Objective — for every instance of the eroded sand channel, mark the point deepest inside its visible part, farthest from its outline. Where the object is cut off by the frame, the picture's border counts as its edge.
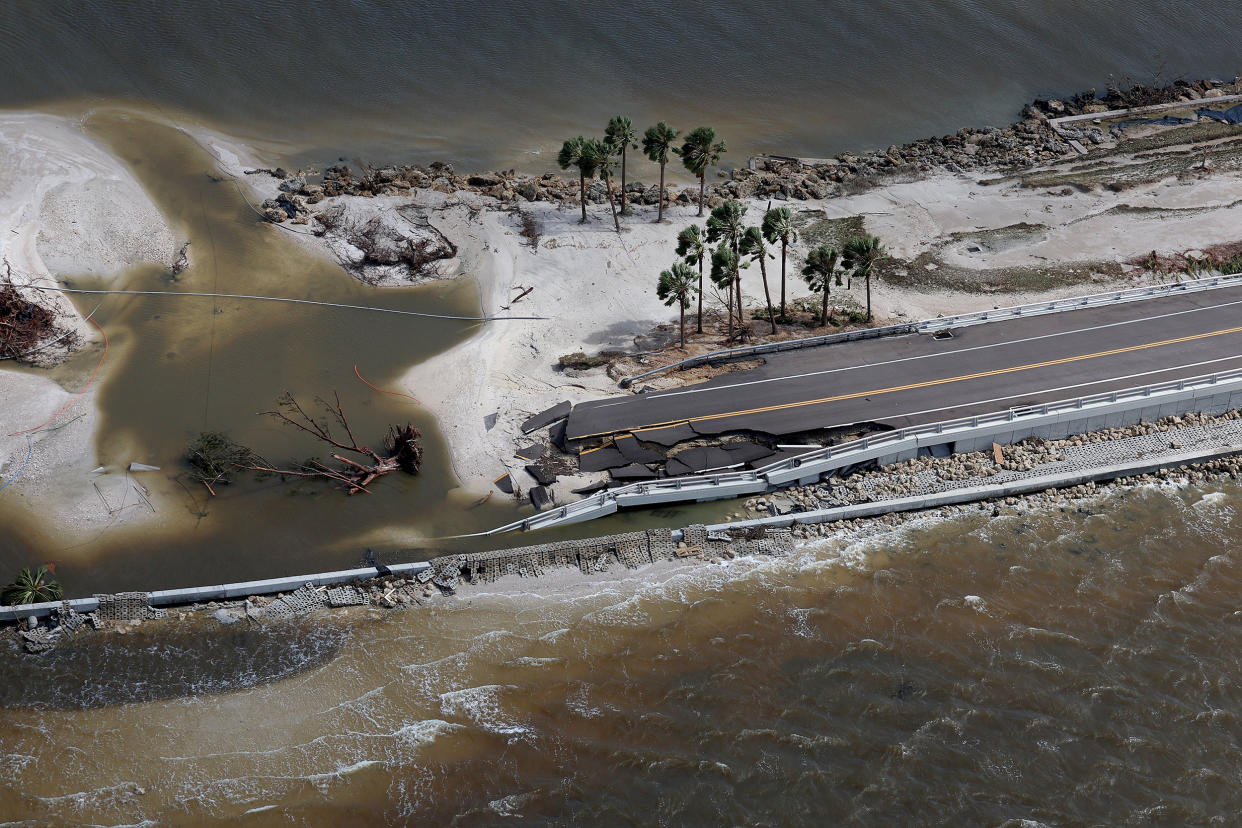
(181, 365)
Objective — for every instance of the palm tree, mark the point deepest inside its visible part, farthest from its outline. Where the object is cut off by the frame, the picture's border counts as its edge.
(724, 274)
(821, 266)
(752, 245)
(861, 255)
(677, 285)
(726, 225)
(597, 158)
(700, 151)
(657, 144)
(619, 136)
(31, 588)
(692, 247)
(571, 155)
(778, 226)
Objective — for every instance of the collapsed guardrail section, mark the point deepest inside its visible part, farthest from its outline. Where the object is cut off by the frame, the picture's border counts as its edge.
(1210, 393)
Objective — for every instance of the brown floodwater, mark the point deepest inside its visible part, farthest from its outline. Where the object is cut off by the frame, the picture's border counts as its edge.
(1074, 666)
(181, 365)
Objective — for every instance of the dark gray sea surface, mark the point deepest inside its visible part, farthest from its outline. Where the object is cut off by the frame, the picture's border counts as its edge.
(502, 84)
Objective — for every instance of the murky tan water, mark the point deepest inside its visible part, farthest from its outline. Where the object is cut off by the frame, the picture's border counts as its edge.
(181, 365)
(1076, 667)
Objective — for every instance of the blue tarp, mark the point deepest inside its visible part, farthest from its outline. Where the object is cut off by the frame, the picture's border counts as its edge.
(1233, 115)
(1167, 120)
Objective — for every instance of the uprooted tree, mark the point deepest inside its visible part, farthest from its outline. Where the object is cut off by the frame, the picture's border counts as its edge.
(403, 447)
(26, 326)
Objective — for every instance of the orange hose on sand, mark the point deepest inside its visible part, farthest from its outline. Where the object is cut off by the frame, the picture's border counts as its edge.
(381, 390)
(77, 396)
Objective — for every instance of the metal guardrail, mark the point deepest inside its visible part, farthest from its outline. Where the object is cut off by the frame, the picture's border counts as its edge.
(773, 347)
(943, 322)
(818, 461)
(1078, 302)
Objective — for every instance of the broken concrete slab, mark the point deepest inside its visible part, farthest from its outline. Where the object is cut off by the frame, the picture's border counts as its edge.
(541, 476)
(504, 483)
(557, 435)
(748, 452)
(702, 458)
(531, 453)
(628, 446)
(667, 435)
(592, 489)
(545, 418)
(676, 468)
(634, 471)
(541, 498)
(489, 422)
(601, 458)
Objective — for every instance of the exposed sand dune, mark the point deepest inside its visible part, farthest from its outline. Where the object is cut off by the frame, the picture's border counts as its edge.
(66, 207)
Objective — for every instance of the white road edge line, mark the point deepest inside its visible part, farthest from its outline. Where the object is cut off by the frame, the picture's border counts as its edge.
(1051, 390)
(666, 395)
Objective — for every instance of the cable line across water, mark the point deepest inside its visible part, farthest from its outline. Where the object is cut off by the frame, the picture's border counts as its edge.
(292, 301)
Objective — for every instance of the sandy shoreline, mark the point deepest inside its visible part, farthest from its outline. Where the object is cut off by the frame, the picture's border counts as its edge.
(593, 287)
(67, 207)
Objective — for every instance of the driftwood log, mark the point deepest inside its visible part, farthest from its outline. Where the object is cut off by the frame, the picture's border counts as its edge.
(403, 448)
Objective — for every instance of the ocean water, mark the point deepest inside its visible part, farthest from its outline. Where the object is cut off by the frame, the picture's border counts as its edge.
(503, 83)
(1074, 666)
(1066, 667)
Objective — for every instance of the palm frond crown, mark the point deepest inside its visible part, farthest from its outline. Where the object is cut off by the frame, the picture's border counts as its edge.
(658, 143)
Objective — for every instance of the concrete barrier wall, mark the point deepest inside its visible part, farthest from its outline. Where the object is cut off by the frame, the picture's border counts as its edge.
(219, 592)
(975, 493)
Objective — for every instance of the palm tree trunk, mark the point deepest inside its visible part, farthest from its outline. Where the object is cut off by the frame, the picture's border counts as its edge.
(737, 280)
(700, 330)
(660, 209)
(784, 246)
(683, 324)
(702, 189)
(824, 318)
(613, 204)
(767, 295)
(868, 278)
(582, 193)
(730, 304)
(624, 210)
(741, 318)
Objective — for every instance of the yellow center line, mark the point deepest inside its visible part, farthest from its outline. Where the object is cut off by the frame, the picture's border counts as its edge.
(597, 448)
(927, 383)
